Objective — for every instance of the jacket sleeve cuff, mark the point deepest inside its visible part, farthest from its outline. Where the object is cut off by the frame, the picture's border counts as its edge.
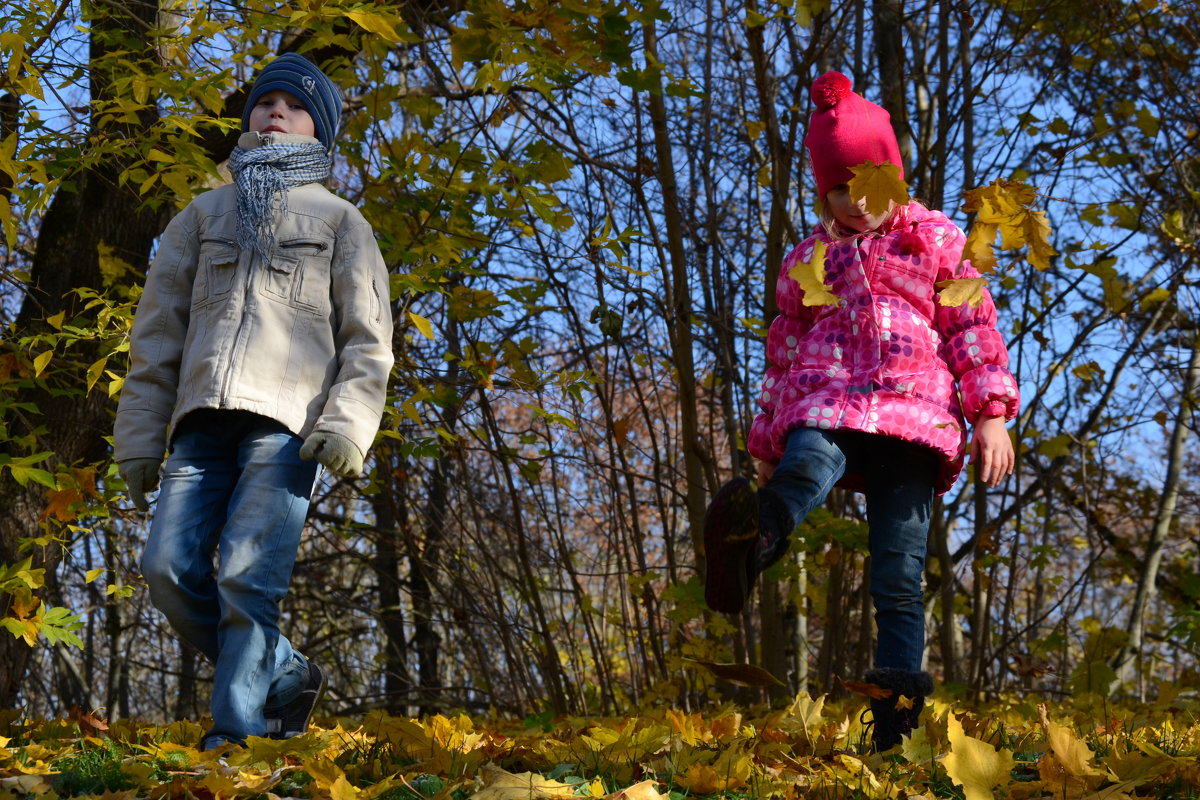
(994, 408)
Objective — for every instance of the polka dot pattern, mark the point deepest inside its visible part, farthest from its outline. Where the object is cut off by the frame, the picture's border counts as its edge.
(888, 358)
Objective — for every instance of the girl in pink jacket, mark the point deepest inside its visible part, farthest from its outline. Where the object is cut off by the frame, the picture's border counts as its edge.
(872, 392)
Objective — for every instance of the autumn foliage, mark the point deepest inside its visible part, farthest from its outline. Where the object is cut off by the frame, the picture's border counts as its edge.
(584, 206)
(1017, 750)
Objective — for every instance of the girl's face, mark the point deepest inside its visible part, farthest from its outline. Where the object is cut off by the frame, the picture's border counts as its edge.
(852, 214)
(278, 111)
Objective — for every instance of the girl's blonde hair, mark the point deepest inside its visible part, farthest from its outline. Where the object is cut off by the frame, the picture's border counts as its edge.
(830, 225)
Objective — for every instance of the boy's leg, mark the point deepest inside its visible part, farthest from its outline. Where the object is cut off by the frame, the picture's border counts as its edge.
(258, 550)
(198, 479)
(745, 532)
(900, 480)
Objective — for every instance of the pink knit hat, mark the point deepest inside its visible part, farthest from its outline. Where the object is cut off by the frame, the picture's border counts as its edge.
(845, 131)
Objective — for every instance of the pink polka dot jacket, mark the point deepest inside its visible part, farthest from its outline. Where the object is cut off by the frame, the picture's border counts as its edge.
(887, 358)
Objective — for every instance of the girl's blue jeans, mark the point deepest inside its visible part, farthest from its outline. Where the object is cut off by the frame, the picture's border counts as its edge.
(220, 555)
(899, 479)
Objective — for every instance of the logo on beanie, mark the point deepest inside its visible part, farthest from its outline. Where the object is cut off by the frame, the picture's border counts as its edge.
(309, 84)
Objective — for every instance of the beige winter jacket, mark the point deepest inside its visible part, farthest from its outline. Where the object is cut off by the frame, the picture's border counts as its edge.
(305, 339)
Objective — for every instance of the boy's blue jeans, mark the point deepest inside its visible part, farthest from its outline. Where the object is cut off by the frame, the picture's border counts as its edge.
(235, 491)
(899, 479)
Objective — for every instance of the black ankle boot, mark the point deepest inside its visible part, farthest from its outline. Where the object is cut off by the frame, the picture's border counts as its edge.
(894, 717)
(774, 529)
(730, 542)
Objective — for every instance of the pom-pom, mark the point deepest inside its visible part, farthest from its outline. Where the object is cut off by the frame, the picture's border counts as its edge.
(829, 89)
(911, 243)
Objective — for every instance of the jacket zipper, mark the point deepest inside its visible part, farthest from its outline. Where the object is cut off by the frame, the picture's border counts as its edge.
(238, 342)
(867, 266)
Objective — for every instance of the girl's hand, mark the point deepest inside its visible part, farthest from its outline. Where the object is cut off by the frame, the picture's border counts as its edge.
(992, 451)
(765, 471)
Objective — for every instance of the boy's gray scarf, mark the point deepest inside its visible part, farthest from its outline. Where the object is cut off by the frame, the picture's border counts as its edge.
(263, 172)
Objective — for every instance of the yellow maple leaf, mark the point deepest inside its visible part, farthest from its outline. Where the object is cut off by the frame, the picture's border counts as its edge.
(1072, 753)
(852, 771)
(880, 185)
(808, 712)
(268, 751)
(974, 764)
(1037, 238)
(689, 727)
(502, 785)
(956, 291)
(342, 789)
(646, 790)
(257, 781)
(705, 779)
(978, 249)
(1006, 207)
(811, 277)
(726, 726)
(454, 734)
(221, 783)
(918, 746)
(999, 200)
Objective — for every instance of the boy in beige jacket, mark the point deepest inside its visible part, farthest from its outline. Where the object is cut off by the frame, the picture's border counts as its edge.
(261, 346)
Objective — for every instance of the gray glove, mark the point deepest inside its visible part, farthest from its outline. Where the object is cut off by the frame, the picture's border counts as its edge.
(335, 451)
(140, 476)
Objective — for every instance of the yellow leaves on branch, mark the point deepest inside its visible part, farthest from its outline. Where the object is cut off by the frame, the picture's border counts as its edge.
(1005, 207)
(880, 184)
(811, 277)
(390, 27)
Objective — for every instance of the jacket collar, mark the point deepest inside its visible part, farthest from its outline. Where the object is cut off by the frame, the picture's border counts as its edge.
(252, 139)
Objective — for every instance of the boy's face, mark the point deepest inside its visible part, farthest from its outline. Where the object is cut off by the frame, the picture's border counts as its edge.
(852, 214)
(278, 111)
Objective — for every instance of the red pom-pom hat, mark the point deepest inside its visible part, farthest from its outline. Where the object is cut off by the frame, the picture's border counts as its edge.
(846, 130)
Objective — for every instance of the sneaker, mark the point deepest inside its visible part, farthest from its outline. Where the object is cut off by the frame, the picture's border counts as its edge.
(730, 546)
(291, 719)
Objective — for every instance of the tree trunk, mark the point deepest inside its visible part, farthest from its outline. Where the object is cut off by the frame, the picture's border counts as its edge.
(1123, 663)
(679, 322)
(950, 633)
(889, 55)
(92, 210)
(391, 518)
(186, 706)
(981, 594)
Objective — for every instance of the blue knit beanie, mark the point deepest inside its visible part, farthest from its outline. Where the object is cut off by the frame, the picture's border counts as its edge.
(296, 74)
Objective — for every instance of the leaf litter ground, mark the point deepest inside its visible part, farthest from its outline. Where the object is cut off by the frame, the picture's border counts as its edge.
(1021, 749)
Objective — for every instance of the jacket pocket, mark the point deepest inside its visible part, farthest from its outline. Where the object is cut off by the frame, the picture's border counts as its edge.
(217, 270)
(299, 274)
